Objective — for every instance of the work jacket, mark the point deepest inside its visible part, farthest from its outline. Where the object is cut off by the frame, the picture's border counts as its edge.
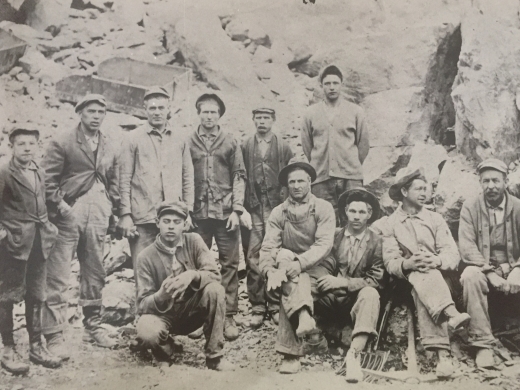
(23, 212)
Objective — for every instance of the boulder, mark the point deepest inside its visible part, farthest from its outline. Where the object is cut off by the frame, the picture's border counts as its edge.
(485, 90)
(117, 253)
(429, 157)
(119, 302)
(47, 15)
(245, 27)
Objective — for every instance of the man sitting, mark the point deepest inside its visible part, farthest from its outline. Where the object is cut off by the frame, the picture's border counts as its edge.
(356, 272)
(179, 289)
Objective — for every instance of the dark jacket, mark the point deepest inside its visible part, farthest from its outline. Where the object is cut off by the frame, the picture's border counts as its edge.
(71, 168)
(154, 265)
(22, 211)
(282, 155)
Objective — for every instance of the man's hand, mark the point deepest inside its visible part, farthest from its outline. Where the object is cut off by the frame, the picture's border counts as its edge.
(180, 283)
(514, 281)
(275, 279)
(422, 262)
(245, 220)
(64, 209)
(329, 282)
(125, 226)
(163, 294)
(233, 222)
(498, 282)
(292, 268)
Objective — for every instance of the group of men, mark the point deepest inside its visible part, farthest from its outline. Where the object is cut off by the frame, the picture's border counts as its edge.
(311, 256)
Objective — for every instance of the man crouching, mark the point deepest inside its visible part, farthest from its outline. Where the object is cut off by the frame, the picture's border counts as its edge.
(179, 289)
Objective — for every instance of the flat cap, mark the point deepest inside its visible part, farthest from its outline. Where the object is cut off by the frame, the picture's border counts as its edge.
(359, 195)
(22, 130)
(330, 69)
(214, 97)
(294, 164)
(90, 98)
(492, 163)
(264, 110)
(156, 91)
(176, 207)
(403, 177)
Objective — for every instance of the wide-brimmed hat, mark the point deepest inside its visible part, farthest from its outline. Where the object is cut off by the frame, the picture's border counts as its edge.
(403, 177)
(214, 97)
(159, 91)
(492, 163)
(359, 195)
(295, 163)
(176, 207)
(90, 98)
(330, 69)
(22, 130)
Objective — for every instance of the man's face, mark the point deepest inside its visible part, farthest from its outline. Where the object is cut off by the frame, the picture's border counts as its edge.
(92, 116)
(24, 148)
(417, 193)
(299, 184)
(263, 122)
(171, 226)
(493, 185)
(157, 110)
(209, 114)
(331, 87)
(358, 215)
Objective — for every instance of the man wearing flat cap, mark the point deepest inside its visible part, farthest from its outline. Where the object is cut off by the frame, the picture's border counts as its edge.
(179, 289)
(335, 139)
(299, 235)
(219, 195)
(81, 175)
(489, 244)
(26, 238)
(354, 274)
(265, 154)
(418, 247)
(155, 166)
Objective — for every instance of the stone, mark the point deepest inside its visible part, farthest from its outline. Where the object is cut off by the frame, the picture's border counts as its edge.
(45, 15)
(119, 302)
(262, 54)
(513, 184)
(428, 157)
(458, 181)
(117, 253)
(31, 61)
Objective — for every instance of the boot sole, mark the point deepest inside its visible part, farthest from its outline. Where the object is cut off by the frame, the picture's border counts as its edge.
(45, 364)
(16, 372)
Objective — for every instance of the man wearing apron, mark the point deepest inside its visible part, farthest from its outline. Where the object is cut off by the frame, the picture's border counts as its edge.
(490, 247)
(299, 235)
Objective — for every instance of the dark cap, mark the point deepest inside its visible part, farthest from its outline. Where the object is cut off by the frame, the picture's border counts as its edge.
(22, 130)
(160, 91)
(359, 195)
(330, 69)
(403, 177)
(264, 110)
(293, 165)
(492, 163)
(214, 97)
(90, 98)
(177, 207)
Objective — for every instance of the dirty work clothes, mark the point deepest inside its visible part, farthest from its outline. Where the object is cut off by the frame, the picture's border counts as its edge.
(405, 235)
(219, 175)
(228, 244)
(85, 230)
(474, 232)
(331, 189)
(204, 307)
(155, 167)
(335, 140)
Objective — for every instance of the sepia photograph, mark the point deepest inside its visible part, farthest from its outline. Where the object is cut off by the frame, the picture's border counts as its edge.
(259, 194)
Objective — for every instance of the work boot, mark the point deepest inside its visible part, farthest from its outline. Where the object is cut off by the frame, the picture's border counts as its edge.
(290, 365)
(353, 371)
(38, 354)
(230, 329)
(94, 333)
(485, 358)
(257, 319)
(220, 364)
(56, 345)
(197, 334)
(315, 343)
(445, 368)
(13, 362)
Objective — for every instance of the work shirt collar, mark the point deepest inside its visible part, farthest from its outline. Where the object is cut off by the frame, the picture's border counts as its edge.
(32, 166)
(305, 200)
(500, 207)
(166, 249)
(403, 215)
(353, 237)
(266, 139)
(212, 134)
(167, 128)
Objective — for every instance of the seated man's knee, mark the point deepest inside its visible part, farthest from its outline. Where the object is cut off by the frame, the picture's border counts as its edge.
(214, 289)
(471, 275)
(368, 293)
(151, 329)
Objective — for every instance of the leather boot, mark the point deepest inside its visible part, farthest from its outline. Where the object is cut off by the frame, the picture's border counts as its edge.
(94, 332)
(38, 354)
(56, 345)
(12, 361)
(231, 331)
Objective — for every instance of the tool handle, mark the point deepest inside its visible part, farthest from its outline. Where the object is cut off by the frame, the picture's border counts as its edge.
(410, 350)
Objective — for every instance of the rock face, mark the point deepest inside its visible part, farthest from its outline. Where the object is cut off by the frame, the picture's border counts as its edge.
(119, 299)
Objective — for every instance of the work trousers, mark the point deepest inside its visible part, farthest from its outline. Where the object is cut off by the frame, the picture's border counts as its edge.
(83, 230)
(21, 280)
(206, 307)
(228, 248)
(258, 295)
(331, 189)
(477, 294)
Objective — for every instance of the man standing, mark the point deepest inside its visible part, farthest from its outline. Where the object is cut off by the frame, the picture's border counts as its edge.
(350, 288)
(82, 190)
(265, 154)
(179, 289)
(490, 247)
(335, 139)
(155, 166)
(26, 238)
(299, 235)
(219, 196)
(418, 247)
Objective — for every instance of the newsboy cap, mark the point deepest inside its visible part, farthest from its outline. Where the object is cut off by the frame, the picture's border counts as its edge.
(211, 97)
(403, 177)
(160, 91)
(176, 207)
(328, 70)
(90, 98)
(22, 130)
(264, 110)
(492, 163)
(359, 195)
(294, 164)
